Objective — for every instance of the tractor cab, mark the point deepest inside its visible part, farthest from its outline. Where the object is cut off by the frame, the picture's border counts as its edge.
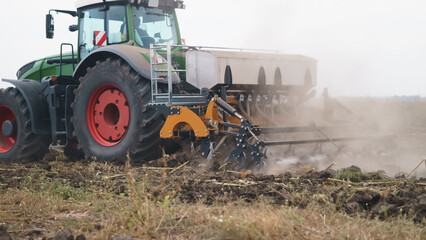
(139, 23)
(123, 23)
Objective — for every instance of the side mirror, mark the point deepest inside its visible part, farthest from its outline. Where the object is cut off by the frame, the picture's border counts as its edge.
(73, 28)
(50, 26)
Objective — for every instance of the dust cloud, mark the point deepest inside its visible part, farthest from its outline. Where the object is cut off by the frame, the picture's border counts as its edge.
(401, 122)
(364, 48)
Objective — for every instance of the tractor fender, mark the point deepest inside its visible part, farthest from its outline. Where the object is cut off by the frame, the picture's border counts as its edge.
(37, 105)
(136, 57)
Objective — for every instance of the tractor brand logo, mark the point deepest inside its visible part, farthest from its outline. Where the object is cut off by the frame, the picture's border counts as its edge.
(100, 38)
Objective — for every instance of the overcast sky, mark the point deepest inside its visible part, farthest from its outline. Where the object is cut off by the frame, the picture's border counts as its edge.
(363, 47)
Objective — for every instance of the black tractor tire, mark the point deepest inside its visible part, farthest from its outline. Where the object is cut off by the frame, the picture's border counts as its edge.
(113, 79)
(26, 145)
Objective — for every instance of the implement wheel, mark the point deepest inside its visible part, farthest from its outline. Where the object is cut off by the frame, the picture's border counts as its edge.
(17, 142)
(111, 114)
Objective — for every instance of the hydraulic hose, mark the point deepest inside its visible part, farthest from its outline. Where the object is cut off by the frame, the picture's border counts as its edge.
(245, 114)
(264, 114)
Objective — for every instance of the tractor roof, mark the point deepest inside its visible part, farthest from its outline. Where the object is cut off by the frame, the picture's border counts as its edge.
(83, 3)
(148, 3)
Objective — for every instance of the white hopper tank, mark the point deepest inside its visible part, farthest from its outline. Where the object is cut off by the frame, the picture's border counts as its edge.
(206, 69)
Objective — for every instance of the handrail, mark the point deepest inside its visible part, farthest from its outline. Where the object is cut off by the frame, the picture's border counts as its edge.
(155, 71)
(218, 48)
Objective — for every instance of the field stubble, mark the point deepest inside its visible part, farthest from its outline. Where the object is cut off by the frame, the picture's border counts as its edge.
(102, 200)
(183, 197)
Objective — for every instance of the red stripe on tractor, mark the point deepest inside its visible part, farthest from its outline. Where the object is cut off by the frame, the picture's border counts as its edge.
(102, 40)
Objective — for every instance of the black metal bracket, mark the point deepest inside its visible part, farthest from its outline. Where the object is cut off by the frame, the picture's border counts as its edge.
(205, 146)
(59, 93)
(243, 149)
(72, 13)
(166, 111)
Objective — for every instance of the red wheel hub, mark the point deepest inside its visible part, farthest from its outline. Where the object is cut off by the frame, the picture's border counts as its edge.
(108, 115)
(7, 142)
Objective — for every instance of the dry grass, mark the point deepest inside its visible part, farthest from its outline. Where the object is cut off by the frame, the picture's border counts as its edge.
(151, 220)
(149, 210)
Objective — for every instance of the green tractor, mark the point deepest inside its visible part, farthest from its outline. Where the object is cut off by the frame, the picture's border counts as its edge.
(92, 101)
(131, 87)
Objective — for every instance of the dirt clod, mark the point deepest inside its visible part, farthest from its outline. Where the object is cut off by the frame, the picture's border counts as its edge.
(352, 207)
(63, 235)
(215, 166)
(80, 237)
(365, 198)
(4, 235)
(352, 168)
(384, 209)
(50, 157)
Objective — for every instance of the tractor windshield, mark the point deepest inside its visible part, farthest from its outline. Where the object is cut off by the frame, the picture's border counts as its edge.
(154, 26)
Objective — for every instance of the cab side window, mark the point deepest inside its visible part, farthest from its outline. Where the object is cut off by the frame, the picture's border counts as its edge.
(99, 28)
(90, 21)
(117, 27)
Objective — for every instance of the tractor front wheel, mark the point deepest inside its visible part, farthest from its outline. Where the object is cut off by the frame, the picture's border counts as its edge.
(17, 141)
(111, 115)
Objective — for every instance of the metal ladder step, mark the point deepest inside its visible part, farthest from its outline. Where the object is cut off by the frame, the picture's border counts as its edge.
(185, 99)
(185, 95)
(156, 70)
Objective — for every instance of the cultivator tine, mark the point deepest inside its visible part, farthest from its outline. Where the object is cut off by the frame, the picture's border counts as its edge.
(192, 147)
(211, 152)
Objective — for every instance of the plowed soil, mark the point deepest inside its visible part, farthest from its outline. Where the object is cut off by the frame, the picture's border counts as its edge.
(376, 196)
(38, 199)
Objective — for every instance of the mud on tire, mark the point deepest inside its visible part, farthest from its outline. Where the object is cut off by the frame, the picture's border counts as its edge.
(111, 114)
(22, 144)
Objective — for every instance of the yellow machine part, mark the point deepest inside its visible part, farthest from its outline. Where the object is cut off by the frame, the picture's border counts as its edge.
(212, 112)
(188, 120)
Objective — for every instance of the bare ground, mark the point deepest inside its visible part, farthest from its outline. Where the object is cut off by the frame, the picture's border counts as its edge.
(185, 197)
(161, 200)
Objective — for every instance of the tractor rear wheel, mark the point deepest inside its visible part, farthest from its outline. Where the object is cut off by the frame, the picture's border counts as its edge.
(17, 142)
(111, 114)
